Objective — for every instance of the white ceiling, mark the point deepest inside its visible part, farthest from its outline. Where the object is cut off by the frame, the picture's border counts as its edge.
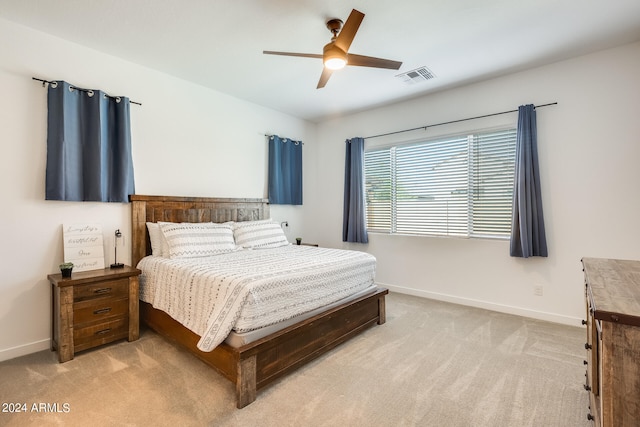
(219, 44)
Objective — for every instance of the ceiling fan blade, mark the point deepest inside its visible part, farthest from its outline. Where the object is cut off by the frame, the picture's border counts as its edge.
(304, 55)
(370, 61)
(349, 29)
(324, 77)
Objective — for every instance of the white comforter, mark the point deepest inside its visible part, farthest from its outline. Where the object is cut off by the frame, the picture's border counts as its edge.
(249, 289)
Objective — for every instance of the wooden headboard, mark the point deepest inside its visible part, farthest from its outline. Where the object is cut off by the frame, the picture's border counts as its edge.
(186, 209)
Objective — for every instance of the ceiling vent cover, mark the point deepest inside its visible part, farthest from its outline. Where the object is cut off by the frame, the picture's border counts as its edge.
(416, 76)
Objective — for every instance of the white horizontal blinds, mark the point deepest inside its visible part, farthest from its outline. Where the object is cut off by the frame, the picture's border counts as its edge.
(379, 190)
(431, 187)
(455, 186)
(493, 169)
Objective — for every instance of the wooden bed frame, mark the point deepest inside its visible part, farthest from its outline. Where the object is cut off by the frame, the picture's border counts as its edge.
(255, 365)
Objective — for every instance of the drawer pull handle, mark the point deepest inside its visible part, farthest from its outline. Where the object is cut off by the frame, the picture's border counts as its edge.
(103, 331)
(584, 362)
(102, 291)
(586, 387)
(590, 417)
(102, 310)
(584, 322)
(587, 346)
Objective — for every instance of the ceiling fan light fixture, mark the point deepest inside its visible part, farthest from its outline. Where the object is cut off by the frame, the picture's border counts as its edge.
(334, 58)
(335, 63)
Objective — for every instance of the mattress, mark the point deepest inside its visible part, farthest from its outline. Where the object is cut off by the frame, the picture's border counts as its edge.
(238, 339)
(248, 290)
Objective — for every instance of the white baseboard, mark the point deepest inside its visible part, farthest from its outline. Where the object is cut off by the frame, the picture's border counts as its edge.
(23, 350)
(518, 311)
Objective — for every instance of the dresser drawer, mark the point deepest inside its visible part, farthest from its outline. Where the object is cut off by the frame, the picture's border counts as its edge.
(96, 310)
(109, 288)
(101, 333)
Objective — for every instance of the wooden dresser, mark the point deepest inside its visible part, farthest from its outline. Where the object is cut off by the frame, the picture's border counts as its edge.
(93, 308)
(612, 293)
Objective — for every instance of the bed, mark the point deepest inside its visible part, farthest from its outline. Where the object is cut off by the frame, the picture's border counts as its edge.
(250, 366)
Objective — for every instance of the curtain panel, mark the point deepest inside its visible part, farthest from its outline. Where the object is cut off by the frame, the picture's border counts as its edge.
(354, 224)
(527, 227)
(285, 171)
(88, 145)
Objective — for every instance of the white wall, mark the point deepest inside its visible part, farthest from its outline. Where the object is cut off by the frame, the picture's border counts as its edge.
(589, 147)
(187, 140)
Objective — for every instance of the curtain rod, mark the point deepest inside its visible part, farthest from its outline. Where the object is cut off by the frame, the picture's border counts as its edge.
(454, 121)
(77, 88)
(269, 136)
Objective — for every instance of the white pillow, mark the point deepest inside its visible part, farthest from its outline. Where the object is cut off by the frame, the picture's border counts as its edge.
(156, 237)
(260, 234)
(164, 246)
(191, 240)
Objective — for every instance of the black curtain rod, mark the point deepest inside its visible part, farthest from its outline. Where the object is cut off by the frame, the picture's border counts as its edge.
(78, 88)
(269, 136)
(454, 121)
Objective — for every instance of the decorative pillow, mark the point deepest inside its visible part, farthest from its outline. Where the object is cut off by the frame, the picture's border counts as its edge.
(156, 237)
(164, 246)
(260, 234)
(191, 240)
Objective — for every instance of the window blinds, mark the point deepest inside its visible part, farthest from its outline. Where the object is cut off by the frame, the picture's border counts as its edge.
(454, 186)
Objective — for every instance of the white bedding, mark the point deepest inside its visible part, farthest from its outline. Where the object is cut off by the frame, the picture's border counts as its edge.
(250, 289)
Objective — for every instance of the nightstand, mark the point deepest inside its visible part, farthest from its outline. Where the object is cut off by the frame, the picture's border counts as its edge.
(92, 308)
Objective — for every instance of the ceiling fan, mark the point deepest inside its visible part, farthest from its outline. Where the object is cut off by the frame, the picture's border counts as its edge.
(336, 53)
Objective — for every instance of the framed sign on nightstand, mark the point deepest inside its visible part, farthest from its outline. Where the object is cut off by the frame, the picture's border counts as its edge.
(83, 246)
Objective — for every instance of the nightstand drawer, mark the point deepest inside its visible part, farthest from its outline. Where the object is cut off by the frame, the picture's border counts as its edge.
(96, 310)
(112, 288)
(101, 333)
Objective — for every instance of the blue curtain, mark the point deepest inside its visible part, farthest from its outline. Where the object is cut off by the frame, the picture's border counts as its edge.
(354, 224)
(88, 145)
(285, 171)
(527, 226)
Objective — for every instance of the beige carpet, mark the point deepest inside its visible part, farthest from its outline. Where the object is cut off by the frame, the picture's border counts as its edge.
(431, 364)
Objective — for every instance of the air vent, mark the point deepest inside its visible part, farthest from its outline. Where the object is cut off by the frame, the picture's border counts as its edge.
(416, 76)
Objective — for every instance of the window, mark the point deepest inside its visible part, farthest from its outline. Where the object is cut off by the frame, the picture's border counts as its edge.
(454, 186)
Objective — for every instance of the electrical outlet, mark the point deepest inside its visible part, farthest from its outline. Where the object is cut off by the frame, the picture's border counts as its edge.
(537, 290)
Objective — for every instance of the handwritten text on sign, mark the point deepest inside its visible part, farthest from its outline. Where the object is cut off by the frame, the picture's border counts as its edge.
(83, 246)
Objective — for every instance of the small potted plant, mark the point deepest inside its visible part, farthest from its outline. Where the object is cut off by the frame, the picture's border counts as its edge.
(298, 240)
(65, 269)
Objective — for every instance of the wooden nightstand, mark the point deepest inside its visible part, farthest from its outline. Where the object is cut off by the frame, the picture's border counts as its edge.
(93, 308)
